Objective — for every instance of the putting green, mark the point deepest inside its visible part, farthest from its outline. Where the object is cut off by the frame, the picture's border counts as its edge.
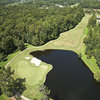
(33, 74)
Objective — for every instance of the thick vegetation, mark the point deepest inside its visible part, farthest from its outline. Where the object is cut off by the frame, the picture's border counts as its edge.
(62, 2)
(8, 85)
(41, 2)
(84, 3)
(5, 2)
(92, 41)
(91, 4)
(27, 23)
(67, 2)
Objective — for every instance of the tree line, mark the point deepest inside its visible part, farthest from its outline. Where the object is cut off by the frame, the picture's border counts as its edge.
(5, 2)
(91, 4)
(84, 3)
(62, 2)
(27, 23)
(92, 41)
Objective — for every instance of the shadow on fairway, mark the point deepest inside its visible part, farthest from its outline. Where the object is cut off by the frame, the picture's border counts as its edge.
(20, 85)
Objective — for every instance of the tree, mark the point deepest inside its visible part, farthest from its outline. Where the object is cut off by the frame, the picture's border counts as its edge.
(27, 23)
(19, 44)
(45, 91)
(9, 86)
(6, 81)
(92, 41)
(1, 56)
(7, 44)
(92, 21)
(80, 55)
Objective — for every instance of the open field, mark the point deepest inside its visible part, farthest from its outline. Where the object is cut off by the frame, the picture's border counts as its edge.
(70, 40)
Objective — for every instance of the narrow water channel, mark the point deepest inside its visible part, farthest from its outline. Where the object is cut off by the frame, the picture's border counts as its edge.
(70, 79)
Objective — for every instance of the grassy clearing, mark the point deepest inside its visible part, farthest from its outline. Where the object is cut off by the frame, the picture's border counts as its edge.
(35, 76)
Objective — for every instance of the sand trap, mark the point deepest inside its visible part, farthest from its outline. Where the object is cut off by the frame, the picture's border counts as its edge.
(36, 61)
(27, 57)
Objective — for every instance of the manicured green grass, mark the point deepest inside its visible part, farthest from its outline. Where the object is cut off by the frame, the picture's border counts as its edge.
(91, 63)
(35, 76)
(3, 97)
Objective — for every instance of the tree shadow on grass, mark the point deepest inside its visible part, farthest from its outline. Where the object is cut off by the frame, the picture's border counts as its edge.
(5, 59)
(0, 93)
(20, 85)
(8, 85)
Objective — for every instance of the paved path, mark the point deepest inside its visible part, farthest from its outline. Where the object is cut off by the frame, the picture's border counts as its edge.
(22, 97)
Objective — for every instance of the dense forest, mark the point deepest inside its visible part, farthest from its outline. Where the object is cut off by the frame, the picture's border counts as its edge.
(91, 4)
(84, 3)
(62, 2)
(27, 23)
(5, 2)
(8, 85)
(92, 41)
(46, 2)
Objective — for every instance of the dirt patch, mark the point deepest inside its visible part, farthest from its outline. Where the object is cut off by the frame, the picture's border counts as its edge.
(13, 98)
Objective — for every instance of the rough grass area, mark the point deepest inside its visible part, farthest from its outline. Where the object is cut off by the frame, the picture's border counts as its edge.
(35, 76)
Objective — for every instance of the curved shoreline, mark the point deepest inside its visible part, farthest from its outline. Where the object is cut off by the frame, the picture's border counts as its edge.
(70, 40)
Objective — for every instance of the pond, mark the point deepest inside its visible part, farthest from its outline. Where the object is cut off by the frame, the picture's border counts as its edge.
(70, 78)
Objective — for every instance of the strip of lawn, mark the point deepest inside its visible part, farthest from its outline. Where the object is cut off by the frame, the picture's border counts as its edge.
(3, 97)
(91, 63)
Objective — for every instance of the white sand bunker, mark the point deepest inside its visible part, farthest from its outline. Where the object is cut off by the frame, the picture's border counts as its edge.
(27, 57)
(36, 61)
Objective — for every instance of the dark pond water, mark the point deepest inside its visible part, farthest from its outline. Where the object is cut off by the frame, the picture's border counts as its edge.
(70, 78)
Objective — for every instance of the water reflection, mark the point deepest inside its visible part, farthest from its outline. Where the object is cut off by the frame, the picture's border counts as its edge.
(41, 53)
